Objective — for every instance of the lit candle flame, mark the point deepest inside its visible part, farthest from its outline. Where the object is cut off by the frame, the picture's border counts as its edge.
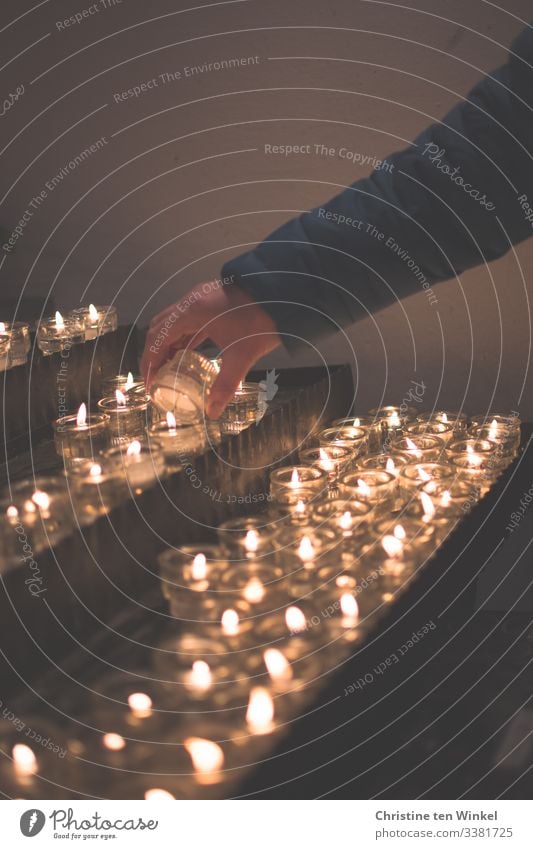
(41, 499)
(200, 677)
(300, 508)
(399, 532)
(444, 418)
(95, 471)
(363, 487)
(295, 478)
(389, 466)
(410, 444)
(346, 521)
(2, 327)
(93, 313)
(445, 499)
(251, 541)
(392, 546)
(306, 550)
(60, 324)
(199, 568)
(349, 606)
(29, 506)
(326, 462)
(473, 458)
(207, 757)
(423, 475)
(157, 794)
(239, 387)
(254, 591)
(12, 512)
(356, 422)
(114, 742)
(24, 760)
(129, 382)
(120, 398)
(81, 418)
(230, 623)
(427, 504)
(493, 429)
(277, 665)
(171, 421)
(394, 419)
(140, 705)
(295, 620)
(134, 448)
(260, 712)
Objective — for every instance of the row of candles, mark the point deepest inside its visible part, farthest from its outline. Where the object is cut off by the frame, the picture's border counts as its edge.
(55, 334)
(265, 613)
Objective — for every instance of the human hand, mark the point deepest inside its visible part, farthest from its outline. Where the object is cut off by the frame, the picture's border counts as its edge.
(223, 313)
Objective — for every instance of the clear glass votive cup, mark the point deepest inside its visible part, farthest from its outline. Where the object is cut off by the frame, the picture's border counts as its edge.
(20, 345)
(141, 463)
(74, 440)
(413, 476)
(35, 514)
(421, 448)
(182, 385)
(299, 480)
(180, 440)
(458, 420)
(369, 424)
(242, 411)
(54, 336)
(129, 415)
(96, 320)
(444, 431)
(97, 486)
(248, 536)
(375, 487)
(333, 460)
(353, 438)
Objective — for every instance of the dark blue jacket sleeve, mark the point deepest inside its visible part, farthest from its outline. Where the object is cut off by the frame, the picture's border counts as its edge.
(459, 196)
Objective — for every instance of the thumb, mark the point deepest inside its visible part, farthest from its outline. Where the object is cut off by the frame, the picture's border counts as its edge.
(234, 369)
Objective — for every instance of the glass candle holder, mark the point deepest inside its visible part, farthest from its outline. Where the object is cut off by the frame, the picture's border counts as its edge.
(243, 409)
(415, 536)
(424, 512)
(299, 547)
(248, 536)
(452, 499)
(141, 463)
(392, 420)
(353, 438)
(183, 384)
(333, 461)
(96, 320)
(134, 705)
(190, 577)
(259, 583)
(348, 518)
(392, 462)
(496, 421)
(5, 348)
(20, 345)
(375, 487)
(35, 515)
(422, 449)
(81, 436)
(506, 441)
(413, 476)
(291, 509)
(392, 562)
(58, 334)
(476, 460)
(180, 440)
(458, 421)
(97, 487)
(369, 424)
(298, 480)
(128, 415)
(444, 431)
(126, 383)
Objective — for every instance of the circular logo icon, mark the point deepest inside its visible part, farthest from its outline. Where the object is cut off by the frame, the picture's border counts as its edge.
(32, 822)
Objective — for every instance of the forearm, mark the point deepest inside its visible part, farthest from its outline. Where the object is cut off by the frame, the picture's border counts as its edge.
(435, 213)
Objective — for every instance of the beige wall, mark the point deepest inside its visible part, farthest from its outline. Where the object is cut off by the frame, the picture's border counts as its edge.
(205, 159)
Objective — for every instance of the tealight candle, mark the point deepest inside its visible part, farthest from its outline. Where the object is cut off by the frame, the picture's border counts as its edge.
(299, 547)
(393, 420)
(58, 334)
(451, 499)
(349, 518)
(126, 383)
(422, 449)
(291, 509)
(333, 460)
(477, 461)
(190, 577)
(415, 536)
(444, 431)
(130, 703)
(128, 415)
(39, 766)
(5, 347)
(180, 440)
(353, 438)
(511, 422)
(97, 487)
(248, 537)
(375, 487)
(96, 320)
(81, 435)
(259, 583)
(299, 480)
(243, 409)
(458, 421)
(393, 562)
(392, 462)
(20, 343)
(506, 440)
(36, 514)
(413, 476)
(141, 463)
(182, 385)
(369, 424)
(424, 510)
